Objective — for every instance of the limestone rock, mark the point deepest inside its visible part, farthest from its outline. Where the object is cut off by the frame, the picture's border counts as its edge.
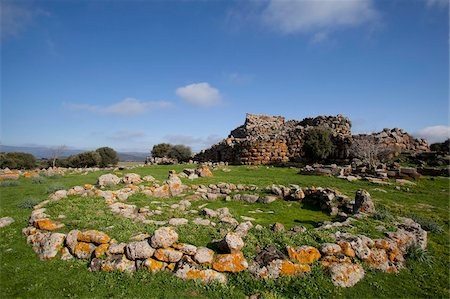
(303, 254)
(206, 276)
(47, 224)
(278, 227)
(108, 180)
(132, 178)
(232, 242)
(169, 255)
(330, 248)
(186, 248)
(204, 255)
(5, 221)
(84, 250)
(163, 237)
(346, 275)
(363, 203)
(139, 250)
(178, 221)
(46, 244)
(233, 262)
(203, 171)
(93, 236)
(243, 228)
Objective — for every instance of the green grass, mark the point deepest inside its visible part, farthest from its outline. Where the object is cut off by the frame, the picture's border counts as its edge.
(24, 275)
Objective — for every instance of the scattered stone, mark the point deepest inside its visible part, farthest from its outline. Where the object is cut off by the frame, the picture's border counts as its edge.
(250, 198)
(108, 180)
(243, 228)
(178, 221)
(65, 254)
(363, 203)
(203, 171)
(232, 242)
(267, 199)
(93, 236)
(5, 221)
(46, 244)
(278, 227)
(298, 229)
(47, 224)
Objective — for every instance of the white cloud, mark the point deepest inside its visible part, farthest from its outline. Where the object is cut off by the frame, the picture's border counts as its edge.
(197, 143)
(315, 16)
(126, 107)
(126, 135)
(15, 18)
(438, 3)
(434, 133)
(200, 94)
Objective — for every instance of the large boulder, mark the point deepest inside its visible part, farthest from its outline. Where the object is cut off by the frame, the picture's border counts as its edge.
(233, 262)
(346, 275)
(232, 242)
(363, 203)
(163, 237)
(203, 171)
(46, 244)
(204, 255)
(132, 178)
(139, 250)
(108, 179)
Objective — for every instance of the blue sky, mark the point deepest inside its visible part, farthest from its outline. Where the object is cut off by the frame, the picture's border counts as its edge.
(130, 74)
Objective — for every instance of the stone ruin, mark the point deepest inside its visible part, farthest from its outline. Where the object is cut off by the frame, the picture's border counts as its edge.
(267, 139)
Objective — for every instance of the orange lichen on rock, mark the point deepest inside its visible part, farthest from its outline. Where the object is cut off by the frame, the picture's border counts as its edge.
(304, 254)
(288, 268)
(47, 224)
(329, 260)
(88, 186)
(347, 249)
(101, 250)
(30, 174)
(153, 265)
(11, 175)
(84, 250)
(169, 255)
(233, 262)
(93, 236)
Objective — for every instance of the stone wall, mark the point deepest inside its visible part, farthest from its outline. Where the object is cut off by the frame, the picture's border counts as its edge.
(264, 139)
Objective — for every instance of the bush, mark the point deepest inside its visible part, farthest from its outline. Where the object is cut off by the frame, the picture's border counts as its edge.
(53, 188)
(28, 203)
(9, 183)
(86, 159)
(16, 160)
(428, 224)
(443, 147)
(318, 144)
(416, 253)
(38, 180)
(180, 152)
(161, 150)
(108, 156)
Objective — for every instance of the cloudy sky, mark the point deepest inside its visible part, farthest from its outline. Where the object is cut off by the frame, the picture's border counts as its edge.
(130, 74)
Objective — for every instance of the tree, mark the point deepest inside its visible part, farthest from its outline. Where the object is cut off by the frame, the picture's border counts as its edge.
(161, 150)
(369, 151)
(318, 144)
(108, 156)
(56, 153)
(180, 152)
(17, 160)
(442, 147)
(85, 159)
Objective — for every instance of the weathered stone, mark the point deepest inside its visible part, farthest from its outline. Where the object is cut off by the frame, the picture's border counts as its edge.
(84, 250)
(178, 221)
(118, 263)
(47, 224)
(46, 244)
(267, 199)
(234, 262)
(278, 227)
(203, 171)
(204, 255)
(250, 198)
(279, 267)
(108, 180)
(163, 237)
(65, 254)
(185, 248)
(232, 242)
(206, 276)
(153, 265)
(363, 203)
(330, 248)
(303, 254)
(243, 228)
(117, 248)
(101, 250)
(346, 275)
(5, 221)
(132, 178)
(169, 255)
(93, 236)
(139, 250)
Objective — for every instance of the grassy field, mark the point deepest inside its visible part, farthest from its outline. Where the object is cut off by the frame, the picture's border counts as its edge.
(24, 275)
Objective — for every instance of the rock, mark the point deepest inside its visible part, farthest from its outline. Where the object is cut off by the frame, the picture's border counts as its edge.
(93, 236)
(140, 237)
(209, 213)
(278, 227)
(116, 248)
(65, 254)
(203, 171)
(168, 255)
(250, 198)
(346, 275)
(118, 263)
(176, 187)
(298, 229)
(243, 228)
(330, 248)
(60, 194)
(206, 276)
(72, 240)
(84, 250)
(46, 244)
(139, 250)
(303, 254)
(200, 221)
(47, 224)
(268, 254)
(247, 218)
(223, 212)
(277, 268)
(178, 221)
(163, 237)
(403, 182)
(347, 249)
(234, 262)
(101, 250)
(363, 203)
(328, 260)
(185, 248)
(229, 220)
(10, 175)
(108, 180)
(204, 255)
(132, 178)
(153, 265)
(162, 191)
(267, 199)
(5, 221)
(232, 242)
(148, 178)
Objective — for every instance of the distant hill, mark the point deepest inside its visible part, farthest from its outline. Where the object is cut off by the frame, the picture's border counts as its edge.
(42, 152)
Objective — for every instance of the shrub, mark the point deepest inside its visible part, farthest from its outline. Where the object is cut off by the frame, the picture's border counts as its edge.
(382, 214)
(54, 188)
(443, 147)
(318, 144)
(180, 152)
(85, 159)
(427, 224)
(38, 180)
(8, 183)
(161, 150)
(16, 160)
(416, 253)
(108, 156)
(28, 203)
